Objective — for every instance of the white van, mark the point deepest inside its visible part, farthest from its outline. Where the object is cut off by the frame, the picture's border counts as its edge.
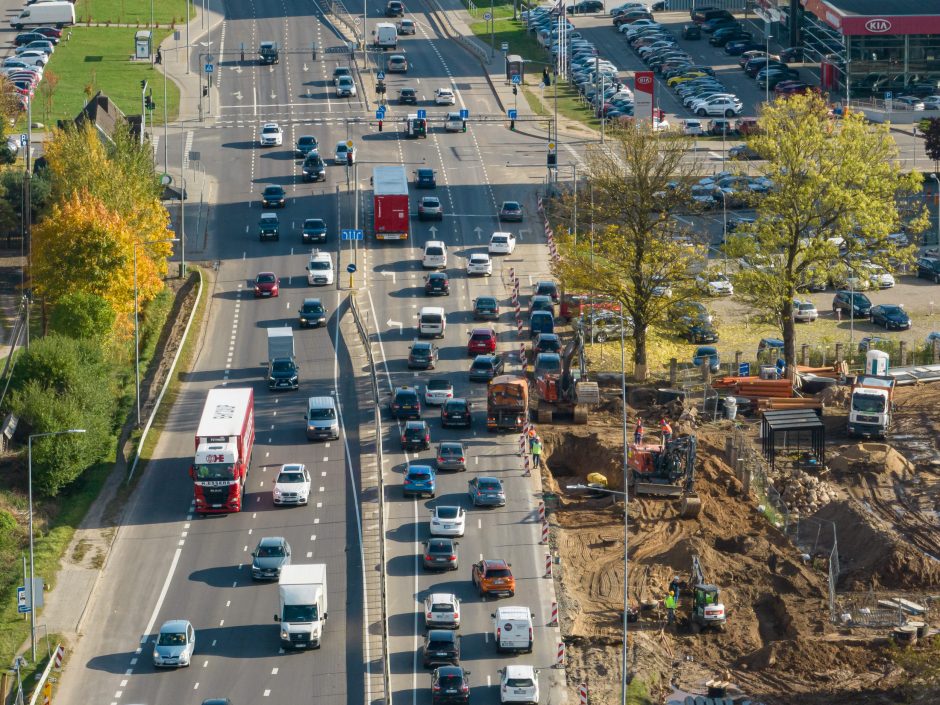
(319, 268)
(453, 122)
(435, 255)
(322, 419)
(432, 321)
(45, 14)
(386, 36)
(512, 627)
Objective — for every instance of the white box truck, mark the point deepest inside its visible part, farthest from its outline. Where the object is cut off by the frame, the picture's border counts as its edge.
(302, 596)
(45, 14)
(386, 36)
(513, 629)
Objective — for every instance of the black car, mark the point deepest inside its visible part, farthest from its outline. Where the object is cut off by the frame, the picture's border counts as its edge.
(269, 227)
(441, 646)
(716, 23)
(273, 197)
(547, 288)
(541, 303)
(693, 322)
(546, 343)
(728, 34)
(792, 54)
(485, 308)
(890, 316)
(283, 374)
(312, 313)
(437, 284)
(408, 96)
(53, 34)
(405, 404)
(314, 230)
(691, 31)
(305, 145)
(314, 169)
(394, 9)
(485, 368)
(456, 412)
(450, 685)
(851, 304)
(27, 37)
(415, 436)
(743, 152)
(422, 356)
(929, 268)
(271, 554)
(425, 178)
(585, 7)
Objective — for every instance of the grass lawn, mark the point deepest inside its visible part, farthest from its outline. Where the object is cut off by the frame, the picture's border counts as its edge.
(133, 11)
(500, 10)
(513, 32)
(97, 58)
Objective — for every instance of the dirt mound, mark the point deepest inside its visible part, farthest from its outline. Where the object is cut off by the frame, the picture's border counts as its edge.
(835, 396)
(870, 457)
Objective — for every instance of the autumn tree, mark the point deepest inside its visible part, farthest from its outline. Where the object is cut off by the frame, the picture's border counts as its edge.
(640, 255)
(932, 139)
(838, 194)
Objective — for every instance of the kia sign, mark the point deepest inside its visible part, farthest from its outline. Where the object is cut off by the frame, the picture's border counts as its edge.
(643, 85)
(927, 21)
(878, 26)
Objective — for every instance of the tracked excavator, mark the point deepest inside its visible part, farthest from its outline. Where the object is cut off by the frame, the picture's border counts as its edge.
(666, 472)
(707, 610)
(561, 389)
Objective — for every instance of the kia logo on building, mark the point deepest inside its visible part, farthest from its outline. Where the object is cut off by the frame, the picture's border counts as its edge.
(878, 25)
(643, 80)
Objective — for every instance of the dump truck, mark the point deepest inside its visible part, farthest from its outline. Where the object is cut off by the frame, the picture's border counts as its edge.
(870, 406)
(507, 403)
(302, 607)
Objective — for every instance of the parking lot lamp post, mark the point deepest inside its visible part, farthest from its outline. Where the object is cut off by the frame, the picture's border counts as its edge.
(724, 226)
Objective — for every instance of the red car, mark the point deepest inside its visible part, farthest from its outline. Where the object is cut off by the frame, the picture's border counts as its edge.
(266, 284)
(482, 342)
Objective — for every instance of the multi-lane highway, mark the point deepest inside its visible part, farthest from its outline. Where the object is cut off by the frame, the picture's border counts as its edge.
(167, 563)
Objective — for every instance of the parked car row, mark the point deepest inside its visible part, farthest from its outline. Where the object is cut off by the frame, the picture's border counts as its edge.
(24, 69)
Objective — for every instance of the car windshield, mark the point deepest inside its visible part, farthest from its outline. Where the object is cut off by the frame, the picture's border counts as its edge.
(498, 573)
(419, 476)
(450, 450)
(406, 398)
(431, 201)
(270, 552)
(320, 265)
(450, 681)
(300, 613)
(891, 310)
(440, 545)
(266, 278)
(518, 682)
(420, 352)
(320, 414)
(271, 130)
(448, 512)
(289, 478)
(807, 307)
(274, 190)
(172, 639)
(484, 364)
(500, 239)
(481, 336)
(439, 384)
(442, 607)
(440, 644)
(313, 224)
(282, 365)
(312, 308)
(457, 406)
(486, 303)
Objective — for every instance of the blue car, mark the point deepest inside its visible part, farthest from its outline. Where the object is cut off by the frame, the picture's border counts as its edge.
(419, 480)
(707, 353)
(736, 47)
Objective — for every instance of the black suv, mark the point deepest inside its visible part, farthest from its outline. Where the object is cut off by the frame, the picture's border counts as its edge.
(441, 646)
(395, 9)
(405, 403)
(408, 96)
(423, 355)
(273, 197)
(456, 412)
(437, 283)
(314, 169)
(416, 436)
(283, 374)
(929, 268)
(852, 304)
(312, 313)
(450, 685)
(314, 230)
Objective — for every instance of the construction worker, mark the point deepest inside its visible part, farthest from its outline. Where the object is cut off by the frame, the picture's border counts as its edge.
(674, 586)
(638, 431)
(666, 431)
(670, 603)
(532, 437)
(536, 449)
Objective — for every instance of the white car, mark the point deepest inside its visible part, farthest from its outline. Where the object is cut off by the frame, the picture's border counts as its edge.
(805, 311)
(444, 96)
(660, 125)
(345, 87)
(341, 149)
(38, 55)
(692, 127)
(437, 391)
(716, 284)
(32, 58)
(441, 609)
(502, 243)
(271, 135)
(880, 276)
(519, 684)
(721, 106)
(931, 102)
(292, 485)
(479, 263)
(448, 520)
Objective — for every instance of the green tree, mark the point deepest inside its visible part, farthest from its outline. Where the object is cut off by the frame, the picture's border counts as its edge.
(838, 194)
(932, 140)
(11, 191)
(82, 315)
(641, 250)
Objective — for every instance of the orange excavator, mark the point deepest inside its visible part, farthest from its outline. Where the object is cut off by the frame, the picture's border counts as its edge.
(561, 390)
(668, 471)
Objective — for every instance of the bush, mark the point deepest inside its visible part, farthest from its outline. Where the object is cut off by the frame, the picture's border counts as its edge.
(82, 315)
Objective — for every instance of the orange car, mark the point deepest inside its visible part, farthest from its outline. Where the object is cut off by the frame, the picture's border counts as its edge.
(493, 577)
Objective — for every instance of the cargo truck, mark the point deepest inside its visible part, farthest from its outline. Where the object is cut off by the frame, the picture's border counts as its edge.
(302, 605)
(45, 14)
(870, 406)
(390, 202)
(224, 441)
(507, 403)
(283, 372)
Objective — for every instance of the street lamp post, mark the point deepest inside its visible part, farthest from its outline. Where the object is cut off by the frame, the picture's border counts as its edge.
(137, 325)
(32, 573)
(936, 177)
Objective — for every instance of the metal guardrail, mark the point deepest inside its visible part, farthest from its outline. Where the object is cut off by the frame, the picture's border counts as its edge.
(46, 673)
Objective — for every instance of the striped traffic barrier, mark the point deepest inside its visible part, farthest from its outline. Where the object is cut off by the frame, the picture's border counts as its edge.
(544, 540)
(582, 693)
(548, 565)
(59, 655)
(560, 655)
(519, 325)
(554, 620)
(527, 469)
(541, 511)
(512, 273)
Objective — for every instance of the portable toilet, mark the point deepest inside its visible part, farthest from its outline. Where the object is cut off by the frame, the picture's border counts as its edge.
(143, 43)
(515, 66)
(876, 362)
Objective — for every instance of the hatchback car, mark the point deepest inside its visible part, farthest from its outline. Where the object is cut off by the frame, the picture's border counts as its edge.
(929, 268)
(485, 308)
(693, 322)
(425, 178)
(519, 684)
(312, 314)
(482, 341)
(175, 644)
(805, 311)
(271, 135)
(343, 152)
(422, 355)
(430, 208)
(266, 284)
(479, 263)
(716, 284)
(437, 284)
(851, 304)
(292, 485)
(441, 646)
(395, 8)
(440, 554)
(493, 577)
(890, 316)
(541, 303)
(406, 27)
(305, 145)
(314, 230)
(511, 211)
(405, 404)
(444, 96)
(341, 72)
(451, 456)
(709, 354)
(268, 227)
(450, 685)
(416, 436)
(270, 555)
(442, 609)
(273, 197)
(456, 412)
(397, 63)
(345, 87)
(486, 492)
(438, 391)
(486, 367)
(502, 243)
(419, 480)
(313, 168)
(448, 521)
(408, 96)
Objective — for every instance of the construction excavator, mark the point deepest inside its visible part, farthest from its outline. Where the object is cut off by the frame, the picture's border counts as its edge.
(707, 610)
(560, 389)
(666, 472)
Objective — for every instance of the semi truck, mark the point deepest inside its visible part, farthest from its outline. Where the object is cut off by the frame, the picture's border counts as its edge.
(870, 406)
(507, 403)
(224, 441)
(302, 608)
(283, 372)
(390, 202)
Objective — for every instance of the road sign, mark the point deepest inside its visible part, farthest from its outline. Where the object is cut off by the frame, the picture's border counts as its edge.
(504, 46)
(487, 16)
(551, 146)
(380, 76)
(422, 114)
(464, 113)
(209, 68)
(516, 79)
(744, 369)
(22, 140)
(379, 114)
(22, 600)
(357, 21)
(351, 234)
(349, 144)
(512, 114)
(888, 95)
(351, 268)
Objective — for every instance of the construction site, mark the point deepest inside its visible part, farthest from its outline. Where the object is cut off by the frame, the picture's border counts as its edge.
(797, 530)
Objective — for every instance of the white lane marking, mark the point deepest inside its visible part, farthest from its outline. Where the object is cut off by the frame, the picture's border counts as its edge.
(161, 598)
(274, 671)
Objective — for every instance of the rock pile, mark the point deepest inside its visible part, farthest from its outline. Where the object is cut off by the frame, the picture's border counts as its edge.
(803, 493)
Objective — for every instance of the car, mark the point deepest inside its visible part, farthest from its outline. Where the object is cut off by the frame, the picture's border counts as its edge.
(312, 314)
(270, 555)
(599, 326)
(266, 284)
(485, 308)
(406, 26)
(851, 304)
(546, 287)
(53, 34)
(430, 208)
(729, 34)
(872, 342)
(450, 685)
(444, 96)
(447, 520)
(408, 96)
(482, 342)
(438, 391)
(929, 268)
(486, 367)
(313, 168)
(442, 609)
(437, 284)
(693, 322)
(805, 311)
(440, 554)
(904, 102)
(718, 105)
(345, 87)
(511, 211)
(493, 577)
(585, 7)
(486, 492)
(716, 284)
(305, 145)
(397, 63)
(175, 644)
(269, 227)
(479, 263)
(425, 178)
(395, 8)
(682, 78)
(691, 31)
(404, 403)
(292, 485)
(217, 701)
(43, 45)
(419, 480)
(341, 72)
(540, 302)
(273, 196)
(271, 135)
(422, 355)
(283, 373)
(519, 684)
(718, 23)
(451, 456)
(932, 102)
(343, 150)
(709, 354)
(30, 57)
(416, 435)
(502, 243)
(27, 37)
(456, 411)
(441, 646)
(314, 230)
(546, 343)
(743, 152)
(890, 316)
(736, 47)
(320, 268)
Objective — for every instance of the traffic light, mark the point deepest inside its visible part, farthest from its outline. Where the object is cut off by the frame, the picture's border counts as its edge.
(515, 90)
(205, 91)
(552, 159)
(349, 157)
(464, 126)
(150, 104)
(380, 87)
(512, 124)
(143, 84)
(380, 125)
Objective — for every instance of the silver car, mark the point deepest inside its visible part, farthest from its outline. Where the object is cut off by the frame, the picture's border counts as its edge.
(451, 456)
(175, 645)
(486, 492)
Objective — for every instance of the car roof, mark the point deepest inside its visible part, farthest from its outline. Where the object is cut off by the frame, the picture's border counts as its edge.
(519, 671)
(495, 563)
(487, 331)
(416, 423)
(272, 541)
(174, 625)
(448, 444)
(420, 468)
(292, 467)
(442, 597)
(269, 124)
(449, 671)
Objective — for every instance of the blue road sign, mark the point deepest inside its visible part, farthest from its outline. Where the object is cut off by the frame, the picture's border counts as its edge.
(379, 114)
(209, 68)
(380, 76)
(512, 114)
(422, 114)
(744, 369)
(464, 113)
(22, 600)
(351, 268)
(351, 235)
(516, 79)
(22, 140)
(381, 109)
(888, 95)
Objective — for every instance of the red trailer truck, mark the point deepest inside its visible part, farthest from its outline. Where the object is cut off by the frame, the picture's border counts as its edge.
(390, 202)
(224, 442)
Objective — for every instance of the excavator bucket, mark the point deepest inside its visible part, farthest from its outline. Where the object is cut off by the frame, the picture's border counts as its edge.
(691, 506)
